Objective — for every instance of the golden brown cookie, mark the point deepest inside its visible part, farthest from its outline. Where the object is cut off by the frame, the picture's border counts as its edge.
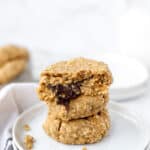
(80, 131)
(81, 107)
(70, 79)
(13, 61)
(78, 69)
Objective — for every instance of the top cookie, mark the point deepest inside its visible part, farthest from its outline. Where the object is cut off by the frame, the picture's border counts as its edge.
(78, 69)
(70, 79)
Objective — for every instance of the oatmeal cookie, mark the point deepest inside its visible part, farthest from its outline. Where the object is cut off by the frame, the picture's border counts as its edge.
(79, 131)
(13, 61)
(81, 107)
(68, 80)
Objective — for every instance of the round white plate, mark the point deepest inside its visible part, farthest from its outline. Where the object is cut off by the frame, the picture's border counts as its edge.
(126, 133)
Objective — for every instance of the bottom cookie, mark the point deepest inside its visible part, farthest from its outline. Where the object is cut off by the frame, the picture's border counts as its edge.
(79, 131)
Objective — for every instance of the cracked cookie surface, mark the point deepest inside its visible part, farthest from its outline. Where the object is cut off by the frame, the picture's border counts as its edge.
(13, 61)
(80, 131)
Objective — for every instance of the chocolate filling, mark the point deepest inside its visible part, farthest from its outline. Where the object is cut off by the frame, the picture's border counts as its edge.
(68, 92)
(65, 93)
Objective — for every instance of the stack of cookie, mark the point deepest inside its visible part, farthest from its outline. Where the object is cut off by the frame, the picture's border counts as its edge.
(76, 93)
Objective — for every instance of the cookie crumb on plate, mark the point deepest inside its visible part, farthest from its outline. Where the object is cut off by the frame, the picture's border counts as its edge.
(26, 127)
(28, 141)
(84, 148)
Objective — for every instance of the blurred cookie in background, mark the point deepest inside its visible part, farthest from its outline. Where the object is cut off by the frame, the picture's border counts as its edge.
(13, 61)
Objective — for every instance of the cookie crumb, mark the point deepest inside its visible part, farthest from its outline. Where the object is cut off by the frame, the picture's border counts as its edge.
(28, 141)
(26, 127)
(84, 148)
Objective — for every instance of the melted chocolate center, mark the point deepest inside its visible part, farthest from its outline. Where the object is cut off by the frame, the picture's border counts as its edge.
(65, 93)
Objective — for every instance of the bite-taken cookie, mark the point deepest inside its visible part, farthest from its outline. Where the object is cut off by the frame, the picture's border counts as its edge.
(13, 60)
(68, 80)
(81, 131)
(81, 107)
(76, 93)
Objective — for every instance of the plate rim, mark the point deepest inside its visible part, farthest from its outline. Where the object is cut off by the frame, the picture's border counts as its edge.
(124, 112)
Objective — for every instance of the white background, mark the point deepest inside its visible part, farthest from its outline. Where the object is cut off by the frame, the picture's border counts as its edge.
(80, 25)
